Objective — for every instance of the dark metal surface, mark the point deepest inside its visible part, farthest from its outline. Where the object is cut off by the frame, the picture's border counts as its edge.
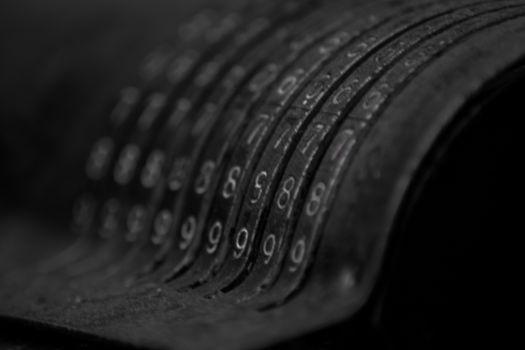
(250, 174)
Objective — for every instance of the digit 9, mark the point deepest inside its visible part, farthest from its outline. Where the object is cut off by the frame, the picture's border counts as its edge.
(269, 245)
(187, 232)
(214, 237)
(241, 243)
(297, 255)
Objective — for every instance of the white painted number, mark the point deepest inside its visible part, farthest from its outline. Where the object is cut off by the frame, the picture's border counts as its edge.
(83, 211)
(297, 254)
(110, 218)
(316, 133)
(153, 169)
(314, 203)
(231, 183)
(269, 247)
(98, 159)
(126, 165)
(260, 129)
(151, 112)
(344, 138)
(286, 192)
(187, 232)
(203, 181)
(161, 227)
(241, 242)
(177, 174)
(135, 222)
(260, 181)
(214, 237)
(128, 98)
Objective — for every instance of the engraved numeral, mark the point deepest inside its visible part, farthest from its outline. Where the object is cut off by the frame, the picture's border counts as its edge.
(230, 186)
(314, 203)
(333, 43)
(195, 26)
(177, 174)
(297, 254)
(187, 232)
(215, 33)
(110, 218)
(260, 181)
(263, 78)
(151, 112)
(208, 73)
(203, 180)
(260, 129)
(135, 222)
(181, 109)
(154, 64)
(179, 67)
(269, 246)
(204, 120)
(316, 133)
(128, 99)
(281, 140)
(373, 100)
(241, 243)
(286, 192)
(343, 95)
(161, 226)
(347, 136)
(289, 83)
(99, 157)
(126, 164)
(214, 237)
(314, 92)
(153, 169)
(358, 51)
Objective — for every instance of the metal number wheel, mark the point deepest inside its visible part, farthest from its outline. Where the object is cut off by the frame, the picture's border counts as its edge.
(264, 174)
